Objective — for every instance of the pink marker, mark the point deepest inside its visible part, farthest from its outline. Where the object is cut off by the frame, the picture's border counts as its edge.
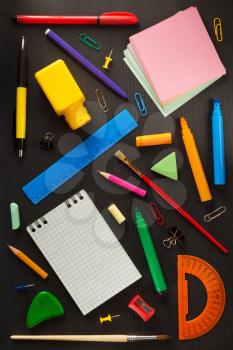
(124, 184)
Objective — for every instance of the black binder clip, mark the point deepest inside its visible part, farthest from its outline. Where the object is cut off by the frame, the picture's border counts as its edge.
(175, 237)
(46, 142)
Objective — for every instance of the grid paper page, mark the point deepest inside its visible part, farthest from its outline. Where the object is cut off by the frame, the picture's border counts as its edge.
(84, 252)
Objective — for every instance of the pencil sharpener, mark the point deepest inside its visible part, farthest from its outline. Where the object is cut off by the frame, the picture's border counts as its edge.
(144, 310)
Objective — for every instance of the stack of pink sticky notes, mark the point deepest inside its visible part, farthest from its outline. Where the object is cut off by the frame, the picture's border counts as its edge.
(174, 60)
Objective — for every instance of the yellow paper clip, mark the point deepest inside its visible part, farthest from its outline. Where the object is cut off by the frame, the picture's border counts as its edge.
(218, 29)
(108, 318)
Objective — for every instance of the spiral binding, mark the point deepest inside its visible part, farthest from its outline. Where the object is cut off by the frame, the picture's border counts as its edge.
(43, 221)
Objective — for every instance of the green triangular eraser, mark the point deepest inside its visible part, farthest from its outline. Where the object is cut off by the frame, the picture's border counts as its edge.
(43, 307)
(167, 166)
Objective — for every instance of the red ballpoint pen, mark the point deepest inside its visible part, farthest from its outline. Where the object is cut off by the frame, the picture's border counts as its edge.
(106, 19)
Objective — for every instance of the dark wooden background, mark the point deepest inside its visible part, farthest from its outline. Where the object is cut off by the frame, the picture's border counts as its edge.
(41, 118)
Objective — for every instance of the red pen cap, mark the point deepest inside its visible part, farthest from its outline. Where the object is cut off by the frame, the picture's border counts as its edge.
(117, 18)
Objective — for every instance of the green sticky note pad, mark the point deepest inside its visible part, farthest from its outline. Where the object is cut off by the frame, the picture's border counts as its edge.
(15, 218)
(167, 166)
(43, 307)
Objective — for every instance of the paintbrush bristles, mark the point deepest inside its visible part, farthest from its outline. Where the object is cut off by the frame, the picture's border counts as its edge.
(126, 161)
(163, 337)
(120, 156)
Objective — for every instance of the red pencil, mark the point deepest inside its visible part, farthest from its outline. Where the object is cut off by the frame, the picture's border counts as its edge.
(171, 201)
(106, 19)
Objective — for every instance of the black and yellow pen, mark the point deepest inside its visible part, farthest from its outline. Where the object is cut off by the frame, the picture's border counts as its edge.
(21, 99)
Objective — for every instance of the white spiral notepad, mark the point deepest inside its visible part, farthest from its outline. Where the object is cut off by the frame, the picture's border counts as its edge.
(84, 252)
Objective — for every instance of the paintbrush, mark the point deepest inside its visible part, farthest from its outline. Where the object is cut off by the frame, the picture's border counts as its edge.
(170, 201)
(112, 338)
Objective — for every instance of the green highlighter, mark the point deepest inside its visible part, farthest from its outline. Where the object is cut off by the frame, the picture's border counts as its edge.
(150, 252)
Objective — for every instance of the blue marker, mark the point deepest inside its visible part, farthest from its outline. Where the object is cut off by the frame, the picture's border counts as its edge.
(218, 144)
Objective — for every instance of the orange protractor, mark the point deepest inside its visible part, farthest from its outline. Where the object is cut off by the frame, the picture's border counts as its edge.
(216, 298)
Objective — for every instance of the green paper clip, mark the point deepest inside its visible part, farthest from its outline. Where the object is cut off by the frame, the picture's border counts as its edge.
(85, 39)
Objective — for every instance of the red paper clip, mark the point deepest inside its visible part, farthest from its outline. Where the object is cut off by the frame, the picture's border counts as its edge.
(144, 310)
(156, 214)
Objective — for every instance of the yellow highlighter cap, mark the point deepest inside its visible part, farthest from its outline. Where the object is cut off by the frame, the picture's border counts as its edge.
(77, 116)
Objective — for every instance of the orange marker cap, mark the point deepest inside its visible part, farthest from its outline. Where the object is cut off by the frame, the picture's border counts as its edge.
(154, 139)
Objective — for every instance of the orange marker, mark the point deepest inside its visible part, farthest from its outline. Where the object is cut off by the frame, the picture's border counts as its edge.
(195, 162)
(24, 258)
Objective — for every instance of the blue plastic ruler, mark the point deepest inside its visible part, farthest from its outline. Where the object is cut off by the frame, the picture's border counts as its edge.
(80, 156)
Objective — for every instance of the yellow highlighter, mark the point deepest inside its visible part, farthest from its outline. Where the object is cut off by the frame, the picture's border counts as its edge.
(21, 99)
(195, 161)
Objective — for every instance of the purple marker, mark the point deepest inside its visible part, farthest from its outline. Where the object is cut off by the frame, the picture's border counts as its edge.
(85, 63)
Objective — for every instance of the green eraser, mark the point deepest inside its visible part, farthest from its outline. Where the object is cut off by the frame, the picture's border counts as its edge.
(15, 219)
(167, 166)
(43, 307)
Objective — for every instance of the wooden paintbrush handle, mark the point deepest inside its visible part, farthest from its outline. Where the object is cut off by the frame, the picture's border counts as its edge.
(115, 338)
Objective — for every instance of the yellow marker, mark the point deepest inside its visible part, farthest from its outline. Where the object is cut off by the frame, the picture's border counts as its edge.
(108, 318)
(108, 59)
(24, 258)
(195, 162)
(63, 93)
(154, 139)
(21, 100)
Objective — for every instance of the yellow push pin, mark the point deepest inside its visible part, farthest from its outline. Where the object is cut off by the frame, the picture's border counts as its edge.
(108, 59)
(107, 318)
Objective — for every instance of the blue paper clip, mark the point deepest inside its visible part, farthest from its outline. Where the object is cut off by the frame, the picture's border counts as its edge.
(140, 104)
(85, 39)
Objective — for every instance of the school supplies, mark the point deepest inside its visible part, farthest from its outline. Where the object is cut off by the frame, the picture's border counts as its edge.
(80, 156)
(116, 213)
(87, 40)
(27, 261)
(124, 184)
(23, 287)
(165, 60)
(159, 219)
(154, 139)
(84, 252)
(209, 317)
(108, 60)
(63, 93)
(167, 166)
(85, 63)
(170, 201)
(101, 100)
(144, 310)
(140, 104)
(15, 218)
(21, 98)
(218, 29)
(150, 253)
(215, 214)
(218, 144)
(195, 161)
(106, 338)
(106, 19)
(47, 141)
(108, 318)
(175, 237)
(44, 306)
